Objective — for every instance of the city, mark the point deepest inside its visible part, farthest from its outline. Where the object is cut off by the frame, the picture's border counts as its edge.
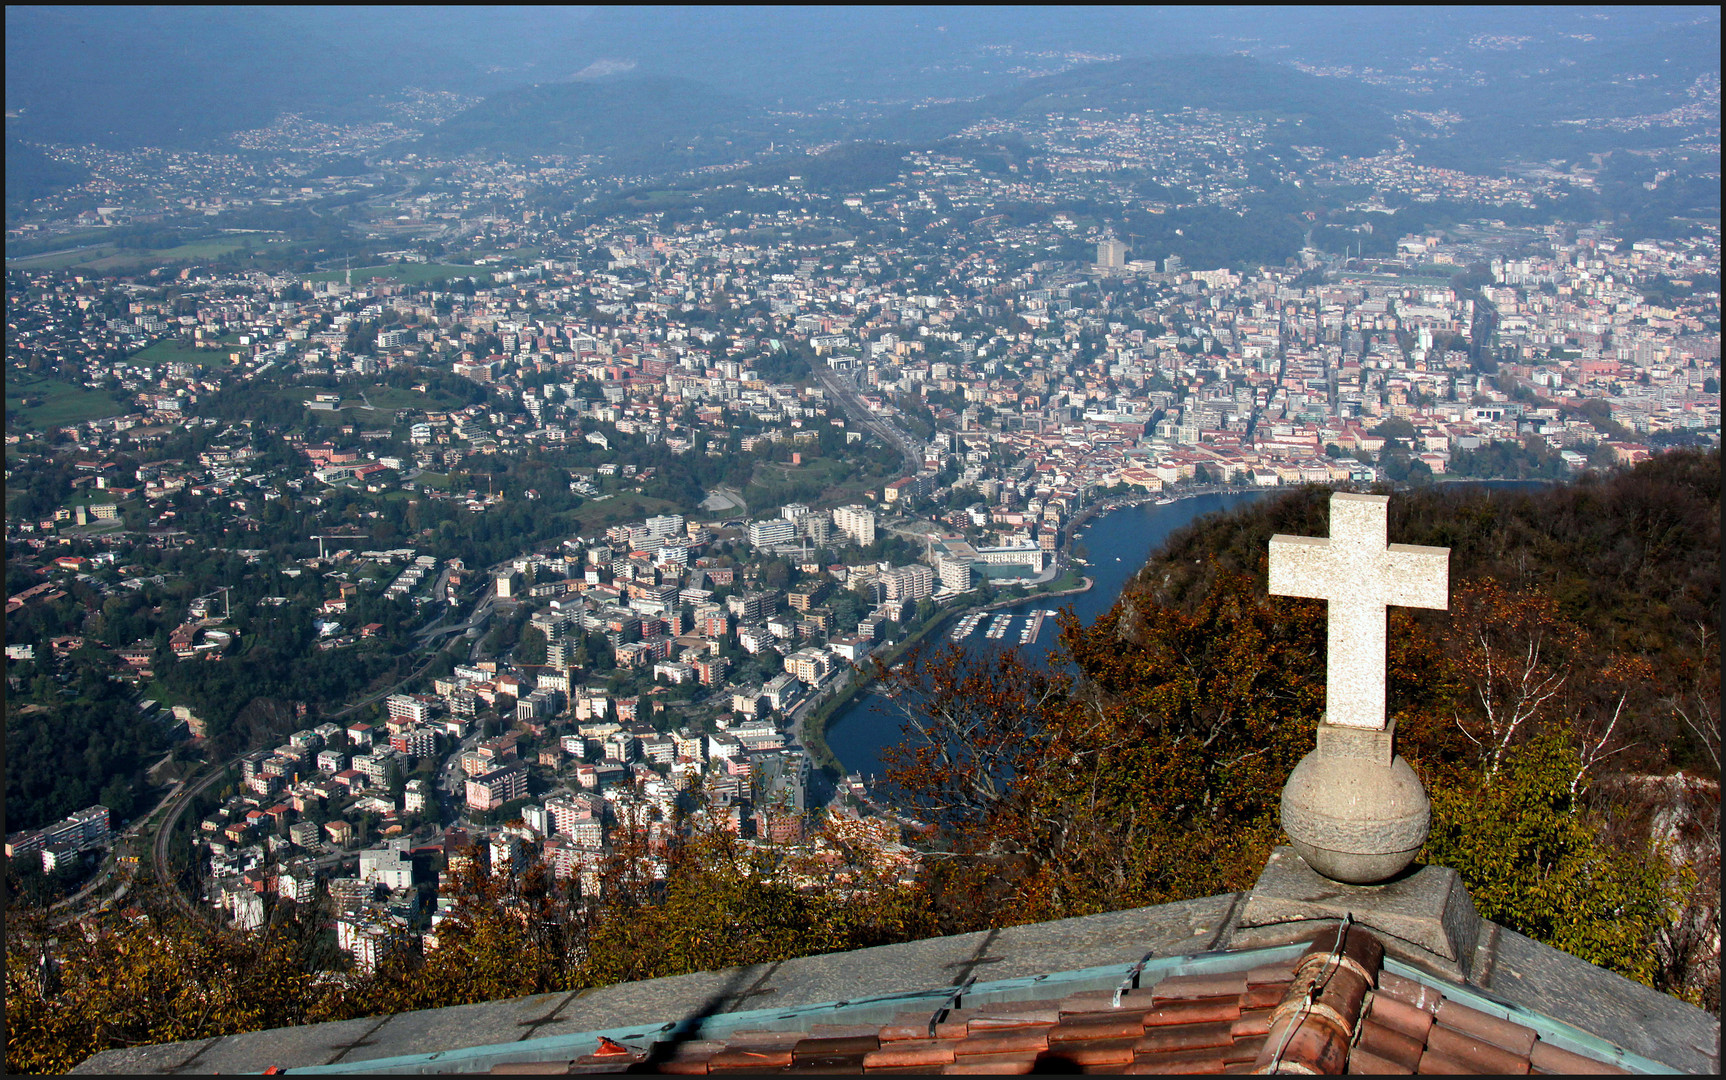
(393, 510)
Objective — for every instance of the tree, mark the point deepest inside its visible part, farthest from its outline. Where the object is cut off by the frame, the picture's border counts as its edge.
(160, 979)
(531, 650)
(1534, 862)
(1155, 777)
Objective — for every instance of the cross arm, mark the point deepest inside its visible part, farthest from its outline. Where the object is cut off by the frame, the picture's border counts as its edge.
(1418, 576)
(1298, 566)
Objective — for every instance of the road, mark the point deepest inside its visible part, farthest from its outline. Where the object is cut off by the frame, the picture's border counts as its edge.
(177, 805)
(849, 400)
(179, 801)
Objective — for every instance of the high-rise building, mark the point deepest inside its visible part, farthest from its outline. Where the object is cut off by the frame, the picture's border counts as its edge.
(492, 790)
(857, 522)
(777, 531)
(912, 582)
(955, 574)
(1111, 253)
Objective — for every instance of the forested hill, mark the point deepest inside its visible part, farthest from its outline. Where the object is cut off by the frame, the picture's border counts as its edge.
(635, 120)
(1563, 715)
(1631, 560)
(1306, 109)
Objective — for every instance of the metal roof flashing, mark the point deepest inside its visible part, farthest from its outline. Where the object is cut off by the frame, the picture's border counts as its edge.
(879, 1009)
(1559, 1001)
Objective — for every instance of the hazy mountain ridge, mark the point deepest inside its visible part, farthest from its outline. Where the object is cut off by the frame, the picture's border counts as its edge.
(630, 119)
(1330, 112)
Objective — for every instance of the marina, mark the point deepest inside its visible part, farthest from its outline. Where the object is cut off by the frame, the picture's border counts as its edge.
(1033, 625)
(998, 627)
(967, 625)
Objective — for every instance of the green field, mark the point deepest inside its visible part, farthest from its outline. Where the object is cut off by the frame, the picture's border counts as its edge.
(408, 273)
(36, 245)
(818, 469)
(90, 494)
(839, 481)
(62, 403)
(171, 350)
(383, 399)
(592, 516)
(106, 257)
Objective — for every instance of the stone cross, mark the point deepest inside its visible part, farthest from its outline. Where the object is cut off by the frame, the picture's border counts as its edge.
(1359, 574)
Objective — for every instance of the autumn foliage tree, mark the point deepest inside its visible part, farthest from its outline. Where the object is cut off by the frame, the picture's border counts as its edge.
(152, 975)
(1153, 777)
(1148, 765)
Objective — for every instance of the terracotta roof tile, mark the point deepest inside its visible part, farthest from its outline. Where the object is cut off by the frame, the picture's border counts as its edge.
(846, 1053)
(686, 1058)
(1392, 1045)
(843, 1046)
(1271, 973)
(916, 1026)
(1224, 984)
(1361, 1020)
(843, 1031)
(1089, 1029)
(1547, 1058)
(1090, 1000)
(1086, 1052)
(1484, 1056)
(1399, 1015)
(921, 1053)
(1309, 1043)
(1010, 1041)
(756, 1038)
(1408, 991)
(1433, 1063)
(1244, 1049)
(1003, 1019)
(764, 1058)
(1198, 1011)
(1264, 995)
(1342, 995)
(1360, 950)
(1251, 1023)
(1363, 1062)
(1512, 1037)
(1181, 1063)
(1186, 1037)
(607, 1061)
(998, 1064)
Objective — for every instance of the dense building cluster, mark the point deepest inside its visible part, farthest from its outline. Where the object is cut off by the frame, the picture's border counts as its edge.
(921, 417)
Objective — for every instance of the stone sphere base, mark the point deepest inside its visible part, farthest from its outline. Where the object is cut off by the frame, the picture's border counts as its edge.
(1353, 819)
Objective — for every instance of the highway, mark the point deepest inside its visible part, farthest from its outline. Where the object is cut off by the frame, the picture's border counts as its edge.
(849, 400)
(177, 805)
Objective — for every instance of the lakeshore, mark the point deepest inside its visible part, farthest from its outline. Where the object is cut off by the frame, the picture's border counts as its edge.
(1119, 534)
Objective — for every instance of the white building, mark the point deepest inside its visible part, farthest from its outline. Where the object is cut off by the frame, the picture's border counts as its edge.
(856, 522)
(913, 582)
(388, 866)
(766, 533)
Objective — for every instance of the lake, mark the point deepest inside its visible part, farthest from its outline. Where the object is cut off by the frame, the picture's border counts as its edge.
(1116, 544)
